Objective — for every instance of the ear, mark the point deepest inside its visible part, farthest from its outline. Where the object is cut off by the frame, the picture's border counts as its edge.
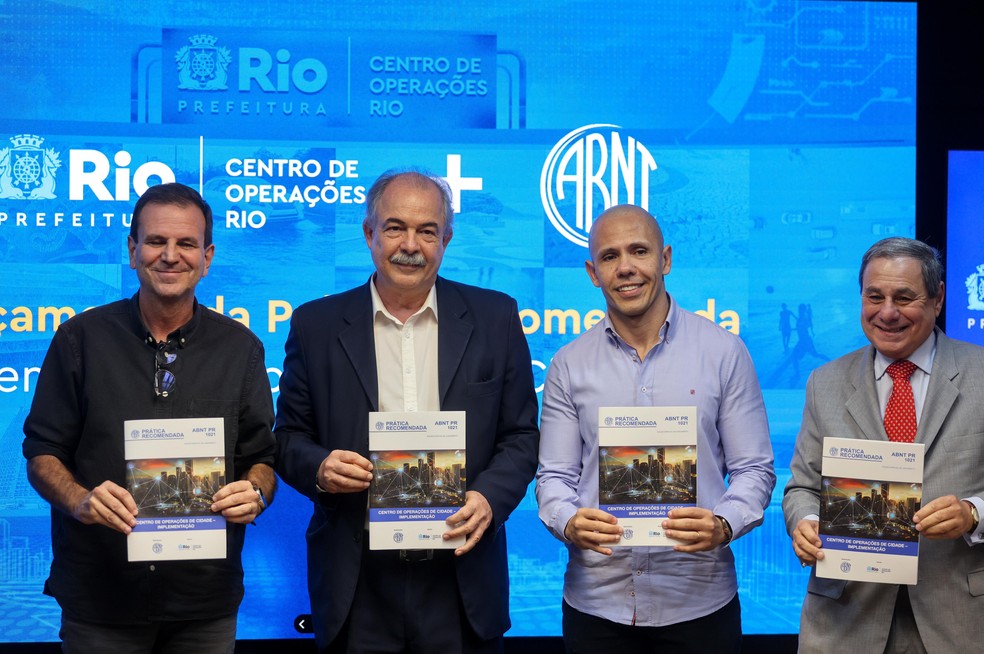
(667, 259)
(938, 300)
(367, 232)
(209, 253)
(131, 246)
(590, 268)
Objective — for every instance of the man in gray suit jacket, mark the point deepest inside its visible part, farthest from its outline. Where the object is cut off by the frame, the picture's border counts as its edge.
(901, 296)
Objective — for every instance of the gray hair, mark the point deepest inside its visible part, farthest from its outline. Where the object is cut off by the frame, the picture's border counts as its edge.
(897, 247)
(420, 179)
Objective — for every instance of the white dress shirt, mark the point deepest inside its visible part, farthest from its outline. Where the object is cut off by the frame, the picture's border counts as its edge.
(406, 356)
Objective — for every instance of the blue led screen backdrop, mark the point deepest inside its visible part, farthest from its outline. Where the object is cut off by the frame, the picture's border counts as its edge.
(774, 140)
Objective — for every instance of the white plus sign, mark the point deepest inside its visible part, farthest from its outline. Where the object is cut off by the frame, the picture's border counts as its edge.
(457, 183)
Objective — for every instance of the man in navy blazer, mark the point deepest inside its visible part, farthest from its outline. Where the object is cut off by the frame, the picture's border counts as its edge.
(407, 340)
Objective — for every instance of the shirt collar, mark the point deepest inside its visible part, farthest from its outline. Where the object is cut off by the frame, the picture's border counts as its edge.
(378, 308)
(179, 336)
(922, 357)
(664, 331)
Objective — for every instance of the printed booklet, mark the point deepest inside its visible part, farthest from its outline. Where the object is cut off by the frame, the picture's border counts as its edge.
(418, 480)
(647, 466)
(869, 492)
(173, 467)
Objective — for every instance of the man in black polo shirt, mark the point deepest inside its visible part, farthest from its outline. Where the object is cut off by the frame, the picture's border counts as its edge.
(158, 355)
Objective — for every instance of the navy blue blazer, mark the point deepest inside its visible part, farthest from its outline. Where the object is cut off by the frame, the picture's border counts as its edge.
(327, 390)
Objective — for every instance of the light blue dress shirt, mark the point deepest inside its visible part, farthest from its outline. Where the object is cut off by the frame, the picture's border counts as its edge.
(697, 364)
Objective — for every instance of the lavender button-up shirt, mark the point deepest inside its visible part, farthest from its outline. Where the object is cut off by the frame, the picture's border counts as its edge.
(696, 363)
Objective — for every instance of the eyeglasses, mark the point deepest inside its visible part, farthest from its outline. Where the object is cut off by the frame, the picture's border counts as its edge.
(164, 380)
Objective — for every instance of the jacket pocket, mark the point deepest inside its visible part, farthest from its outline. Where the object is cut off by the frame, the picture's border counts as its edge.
(477, 389)
(975, 581)
(832, 588)
(964, 442)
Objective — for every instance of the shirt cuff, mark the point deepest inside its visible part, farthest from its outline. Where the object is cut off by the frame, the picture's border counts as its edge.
(976, 537)
(735, 521)
(564, 515)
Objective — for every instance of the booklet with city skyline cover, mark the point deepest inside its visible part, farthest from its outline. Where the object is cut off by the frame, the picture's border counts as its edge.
(418, 478)
(173, 467)
(869, 492)
(647, 466)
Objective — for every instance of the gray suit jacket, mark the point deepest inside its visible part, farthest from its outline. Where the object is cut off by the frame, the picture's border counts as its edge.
(948, 601)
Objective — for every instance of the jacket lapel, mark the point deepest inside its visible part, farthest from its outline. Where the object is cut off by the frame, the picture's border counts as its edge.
(359, 344)
(863, 403)
(941, 394)
(454, 329)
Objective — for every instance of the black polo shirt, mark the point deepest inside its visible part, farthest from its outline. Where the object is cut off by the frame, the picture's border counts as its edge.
(99, 372)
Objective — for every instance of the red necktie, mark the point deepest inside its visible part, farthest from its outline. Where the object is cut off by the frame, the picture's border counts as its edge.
(900, 414)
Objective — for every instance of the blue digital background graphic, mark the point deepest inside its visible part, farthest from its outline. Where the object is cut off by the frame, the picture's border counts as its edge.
(965, 256)
(783, 134)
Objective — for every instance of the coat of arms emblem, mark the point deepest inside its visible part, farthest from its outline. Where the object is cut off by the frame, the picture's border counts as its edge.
(975, 289)
(202, 66)
(27, 171)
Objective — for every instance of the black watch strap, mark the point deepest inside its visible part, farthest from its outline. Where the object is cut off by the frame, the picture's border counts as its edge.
(728, 533)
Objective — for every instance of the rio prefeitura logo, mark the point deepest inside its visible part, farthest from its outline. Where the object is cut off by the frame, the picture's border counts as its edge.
(202, 66)
(27, 171)
(975, 289)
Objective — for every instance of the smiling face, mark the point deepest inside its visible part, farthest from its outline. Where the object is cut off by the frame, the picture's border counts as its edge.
(897, 314)
(169, 253)
(407, 239)
(628, 262)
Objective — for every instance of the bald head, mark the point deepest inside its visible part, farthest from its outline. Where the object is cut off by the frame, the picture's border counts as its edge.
(628, 262)
(615, 218)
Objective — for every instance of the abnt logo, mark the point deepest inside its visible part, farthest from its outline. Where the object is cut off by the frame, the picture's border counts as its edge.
(592, 169)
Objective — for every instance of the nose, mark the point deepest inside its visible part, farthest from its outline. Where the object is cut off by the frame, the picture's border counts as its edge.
(625, 267)
(410, 244)
(889, 311)
(170, 252)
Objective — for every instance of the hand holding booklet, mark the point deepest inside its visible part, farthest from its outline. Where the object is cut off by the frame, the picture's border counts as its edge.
(869, 492)
(173, 467)
(647, 460)
(418, 478)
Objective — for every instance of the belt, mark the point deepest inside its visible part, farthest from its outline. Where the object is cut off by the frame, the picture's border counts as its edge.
(416, 556)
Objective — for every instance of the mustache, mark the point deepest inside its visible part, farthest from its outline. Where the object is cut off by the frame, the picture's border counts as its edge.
(405, 259)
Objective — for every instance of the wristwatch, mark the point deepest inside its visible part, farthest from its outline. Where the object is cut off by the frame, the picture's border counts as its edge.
(261, 502)
(975, 514)
(728, 534)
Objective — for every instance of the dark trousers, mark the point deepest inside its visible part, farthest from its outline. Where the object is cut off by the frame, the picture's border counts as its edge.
(410, 606)
(207, 636)
(716, 633)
